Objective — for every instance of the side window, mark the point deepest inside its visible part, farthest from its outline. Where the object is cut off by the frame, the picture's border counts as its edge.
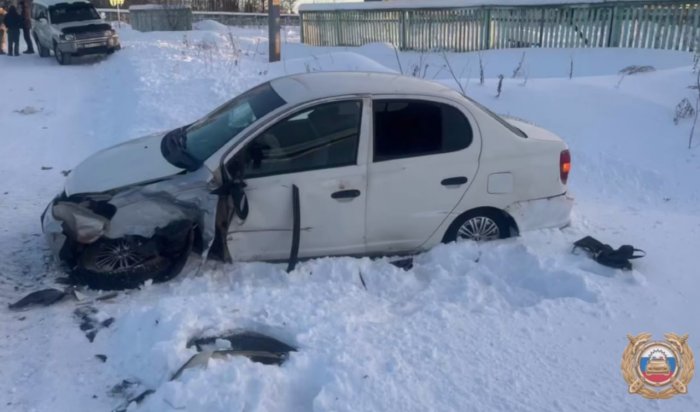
(321, 137)
(408, 128)
(39, 12)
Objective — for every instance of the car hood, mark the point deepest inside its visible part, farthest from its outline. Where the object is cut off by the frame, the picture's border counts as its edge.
(84, 25)
(133, 162)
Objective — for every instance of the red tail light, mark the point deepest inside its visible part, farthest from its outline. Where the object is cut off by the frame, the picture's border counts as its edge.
(564, 165)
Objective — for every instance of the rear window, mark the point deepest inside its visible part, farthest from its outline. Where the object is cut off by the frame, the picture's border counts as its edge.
(409, 128)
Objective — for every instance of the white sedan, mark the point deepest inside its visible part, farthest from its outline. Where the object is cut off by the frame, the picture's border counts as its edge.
(309, 165)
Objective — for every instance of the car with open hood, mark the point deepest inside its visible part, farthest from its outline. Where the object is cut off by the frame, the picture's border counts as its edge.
(309, 165)
(71, 28)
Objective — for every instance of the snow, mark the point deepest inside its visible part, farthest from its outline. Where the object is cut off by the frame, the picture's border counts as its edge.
(515, 325)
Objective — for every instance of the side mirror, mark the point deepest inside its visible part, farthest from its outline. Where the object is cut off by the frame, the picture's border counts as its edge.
(43, 20)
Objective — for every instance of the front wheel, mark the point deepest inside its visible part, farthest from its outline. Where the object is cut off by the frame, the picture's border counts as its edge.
(127, 263)
(478, 226)
(61, 57)
(43, 51)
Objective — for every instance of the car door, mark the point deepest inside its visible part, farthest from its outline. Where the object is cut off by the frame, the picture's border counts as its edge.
(424, 156)
(322, 150)
(41, 25)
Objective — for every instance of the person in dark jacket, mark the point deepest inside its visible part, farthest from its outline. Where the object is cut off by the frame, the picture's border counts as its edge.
(26, 13)
(13, 22)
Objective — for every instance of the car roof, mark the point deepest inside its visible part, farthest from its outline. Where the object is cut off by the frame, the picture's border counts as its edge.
(299, 88)
(55, 2)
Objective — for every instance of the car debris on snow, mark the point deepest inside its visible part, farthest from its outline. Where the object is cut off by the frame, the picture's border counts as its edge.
(27, 110)
(605, 255)
(92, 320)
(44, 297)
(252, 345)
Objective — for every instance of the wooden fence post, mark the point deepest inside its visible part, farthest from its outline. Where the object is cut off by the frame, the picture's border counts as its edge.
(337, 27)
(402, 30)
(487, 29)
(301, 27)
(614, 29)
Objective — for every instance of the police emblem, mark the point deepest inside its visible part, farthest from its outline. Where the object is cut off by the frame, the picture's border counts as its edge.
(655, 369)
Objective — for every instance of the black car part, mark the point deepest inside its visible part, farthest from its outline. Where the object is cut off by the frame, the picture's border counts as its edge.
(605, 255)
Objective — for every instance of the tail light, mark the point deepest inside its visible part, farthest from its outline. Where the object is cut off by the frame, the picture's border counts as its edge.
(564, 165)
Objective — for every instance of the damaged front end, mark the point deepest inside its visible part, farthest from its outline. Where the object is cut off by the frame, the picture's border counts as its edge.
(121, 238)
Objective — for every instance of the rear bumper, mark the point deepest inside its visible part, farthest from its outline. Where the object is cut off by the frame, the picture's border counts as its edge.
(550, 212)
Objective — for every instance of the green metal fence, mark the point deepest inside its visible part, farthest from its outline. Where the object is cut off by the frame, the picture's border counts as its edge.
(673, 25)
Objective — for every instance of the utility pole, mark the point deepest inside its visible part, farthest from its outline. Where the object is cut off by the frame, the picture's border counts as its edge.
(274, 29)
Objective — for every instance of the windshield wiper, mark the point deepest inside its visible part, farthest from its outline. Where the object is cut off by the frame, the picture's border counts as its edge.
(174, 150)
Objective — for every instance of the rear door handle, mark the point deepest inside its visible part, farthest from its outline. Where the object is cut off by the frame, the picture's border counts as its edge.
(346, 194)
(454, 181)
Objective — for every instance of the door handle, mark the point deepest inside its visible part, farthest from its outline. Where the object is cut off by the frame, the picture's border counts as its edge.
(453, 181)
(345, 194)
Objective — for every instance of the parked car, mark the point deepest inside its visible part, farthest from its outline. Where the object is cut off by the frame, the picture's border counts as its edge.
(71, 28)
(327, 163)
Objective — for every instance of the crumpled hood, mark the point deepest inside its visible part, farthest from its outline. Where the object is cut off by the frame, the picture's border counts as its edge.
(132, 162)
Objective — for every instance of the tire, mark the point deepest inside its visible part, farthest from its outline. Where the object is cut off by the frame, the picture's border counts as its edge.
(480, 225)
(126, 263)
(43, 51)
(61, 57)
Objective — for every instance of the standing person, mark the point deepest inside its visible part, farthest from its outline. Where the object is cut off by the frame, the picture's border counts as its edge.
(27, 24)
(13, 22)
(2, 30)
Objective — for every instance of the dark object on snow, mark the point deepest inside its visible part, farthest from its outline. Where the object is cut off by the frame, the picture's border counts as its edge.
(405, 263)
(296, 229)
(92, 320)
(101, 357)
(605, 255)
(255, 346)
(41, 297)
(133, 392)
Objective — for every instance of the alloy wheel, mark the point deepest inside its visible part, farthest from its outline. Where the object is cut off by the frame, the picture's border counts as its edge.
(479, 228)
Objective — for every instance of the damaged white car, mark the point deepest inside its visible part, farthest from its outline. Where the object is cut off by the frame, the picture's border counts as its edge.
(309, 165)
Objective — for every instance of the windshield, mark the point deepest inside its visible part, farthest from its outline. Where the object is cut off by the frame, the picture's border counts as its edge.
(63, 13)
(190, 146)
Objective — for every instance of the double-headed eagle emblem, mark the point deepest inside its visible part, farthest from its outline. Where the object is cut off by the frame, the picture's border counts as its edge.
(658, 369)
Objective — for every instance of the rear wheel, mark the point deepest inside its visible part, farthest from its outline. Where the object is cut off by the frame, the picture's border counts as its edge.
(478, 226)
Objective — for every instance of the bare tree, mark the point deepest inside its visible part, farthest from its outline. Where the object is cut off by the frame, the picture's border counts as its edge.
(452, 73)
(481, 70)
(571, 67)
(516, 72)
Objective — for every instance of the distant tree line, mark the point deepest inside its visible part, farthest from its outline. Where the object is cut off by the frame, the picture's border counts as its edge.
(248, 6)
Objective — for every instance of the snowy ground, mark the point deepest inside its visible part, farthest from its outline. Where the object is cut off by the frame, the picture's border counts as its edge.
(514, 325)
